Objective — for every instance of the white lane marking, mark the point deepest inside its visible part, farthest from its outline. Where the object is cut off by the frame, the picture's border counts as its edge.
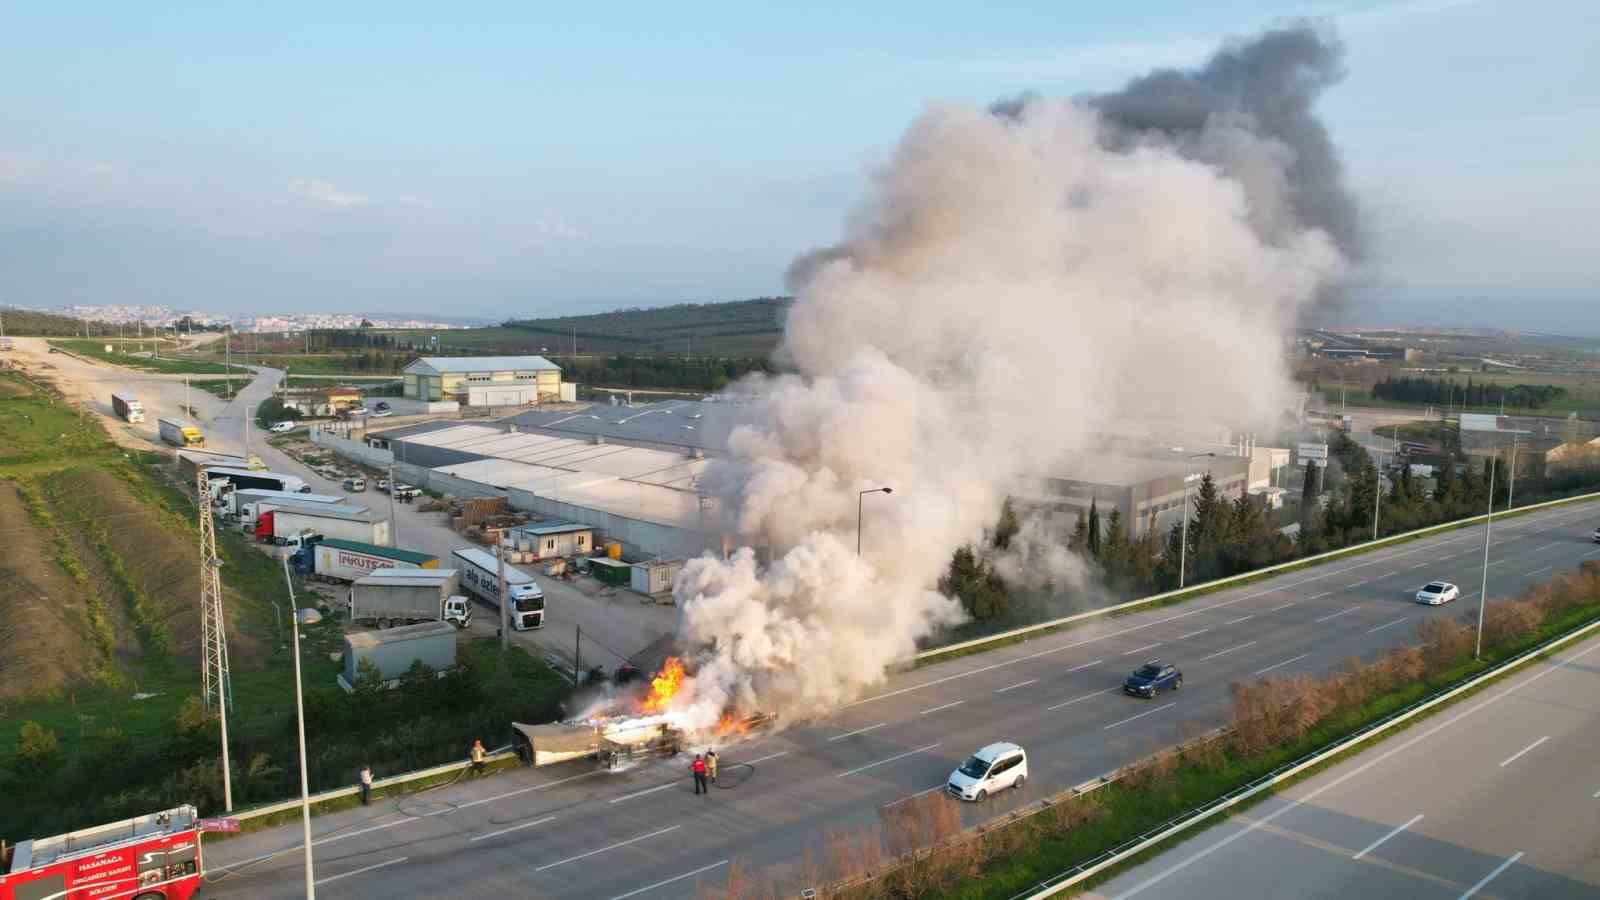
(659, 787)
(1281, 665)
(1229, 650)
(362, 870)
(1240, 619)
(1518, 755)
(946, 706)
(484, 837)
(1537, 571)
(1268, 819)
(664, 883)
(1397, 829)
(1017, 685)
(1596, 795)
(1356, 584)
(1491, 876)
(1144, 648)
(1321, 595)
(1086, 665)
(518, 791)
(1148, 712)
(1337, 614)
(317, 842)
(1185, 637)
(1389, 624)
(840, 737)
(860, 769)
(1281, 606)
(1079, 699)
(604, 849)
(1547, 546)
(937, 787)
(767, 757)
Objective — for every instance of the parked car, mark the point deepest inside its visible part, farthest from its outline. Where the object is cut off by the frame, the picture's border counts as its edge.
(355, 485)
(1152, 678)
(281, 427)
(381, 406)
(404, 491)
(994, 768)
(1438, 593)
(383, 485)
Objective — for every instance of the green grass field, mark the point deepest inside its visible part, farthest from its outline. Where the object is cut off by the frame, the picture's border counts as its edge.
(96, 349)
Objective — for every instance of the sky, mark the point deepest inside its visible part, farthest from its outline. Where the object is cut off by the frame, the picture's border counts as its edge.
(512, 159)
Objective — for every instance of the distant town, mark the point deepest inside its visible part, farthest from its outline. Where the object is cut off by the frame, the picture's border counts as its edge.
(168, 317)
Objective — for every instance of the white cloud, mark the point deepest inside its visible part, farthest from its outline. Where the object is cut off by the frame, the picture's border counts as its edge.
(326, 194)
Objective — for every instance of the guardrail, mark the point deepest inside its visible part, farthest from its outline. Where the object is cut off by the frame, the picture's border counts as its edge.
(1178, 824)
(378, 784)
(1207, 586)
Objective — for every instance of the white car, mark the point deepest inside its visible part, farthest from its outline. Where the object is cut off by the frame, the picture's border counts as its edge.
(281, 427)
(990, 770)
(1438, 593)
(382, 413)
(1597, 535)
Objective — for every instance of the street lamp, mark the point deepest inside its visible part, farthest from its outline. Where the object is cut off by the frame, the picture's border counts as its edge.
(859, 497)
(1183, 549)
(1377, 483)
(300, 723)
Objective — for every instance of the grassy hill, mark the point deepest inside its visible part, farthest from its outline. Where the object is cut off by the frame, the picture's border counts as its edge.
(29, 323)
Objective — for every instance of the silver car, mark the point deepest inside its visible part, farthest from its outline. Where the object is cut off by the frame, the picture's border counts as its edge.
(1438, 593)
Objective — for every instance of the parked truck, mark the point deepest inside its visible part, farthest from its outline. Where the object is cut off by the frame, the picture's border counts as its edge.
(127, 407)
(181, 433)
(287, 523)
(245, 504)
(408, 596)
(480, 577)
(332, 559)
(149, 857)
(226, 478)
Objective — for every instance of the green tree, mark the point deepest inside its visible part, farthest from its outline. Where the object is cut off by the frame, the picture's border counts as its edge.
(1114, 552)
(974, 582)
(1007, 527)
(1094, 529)
(38, 754)
(1079, 541)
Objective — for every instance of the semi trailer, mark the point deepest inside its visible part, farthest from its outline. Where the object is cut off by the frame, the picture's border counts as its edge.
(225, 478)
(127, 407)
(480, 577)
(288, 523)
(392, 596)
(245, 504)
(332, 559)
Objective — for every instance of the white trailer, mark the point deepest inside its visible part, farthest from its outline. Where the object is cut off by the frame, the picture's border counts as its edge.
(408, 596)
(246, 503)
(480, 577)
(226, 478)
(287, 523)
(127, 407)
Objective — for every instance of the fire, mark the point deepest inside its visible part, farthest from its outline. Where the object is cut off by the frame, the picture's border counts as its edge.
(664, 686)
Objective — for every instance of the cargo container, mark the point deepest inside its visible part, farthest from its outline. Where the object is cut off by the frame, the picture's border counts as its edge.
(127, 407)
(394, 650)
(288, 523)
(181, 433)
(340, 560)
(480, 578)
(408, 596)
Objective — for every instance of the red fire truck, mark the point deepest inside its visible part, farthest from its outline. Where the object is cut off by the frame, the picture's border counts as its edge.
(153, 857)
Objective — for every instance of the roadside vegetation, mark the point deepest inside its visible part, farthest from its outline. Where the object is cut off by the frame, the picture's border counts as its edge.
(30, 323)
(123, 354)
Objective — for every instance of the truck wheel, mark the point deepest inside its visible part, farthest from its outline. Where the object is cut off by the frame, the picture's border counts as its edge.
(383, 623)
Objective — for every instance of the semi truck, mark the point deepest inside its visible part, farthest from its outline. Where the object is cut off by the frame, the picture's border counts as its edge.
(332, 559)
(246, 504)
(127, 407)
(224, 478)
(408, 596)
(149, 857)
(480, 578)
(181, 433)
(288, 523)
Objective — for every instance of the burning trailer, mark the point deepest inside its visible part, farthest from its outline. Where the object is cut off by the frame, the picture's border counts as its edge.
(611, 740)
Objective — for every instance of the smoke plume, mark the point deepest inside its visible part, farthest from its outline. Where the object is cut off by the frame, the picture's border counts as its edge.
(1020, 278)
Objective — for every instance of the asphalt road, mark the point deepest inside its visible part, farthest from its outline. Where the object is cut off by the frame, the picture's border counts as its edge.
(571, 831)
(1497, 797)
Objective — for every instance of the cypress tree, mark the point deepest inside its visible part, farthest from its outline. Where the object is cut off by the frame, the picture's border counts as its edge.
(1094, 529)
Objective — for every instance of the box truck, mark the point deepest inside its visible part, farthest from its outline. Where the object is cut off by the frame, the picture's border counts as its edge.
(287, 523)
(480, 578)
(332, 559)
(127, 407)
(408, 596)
(181, 433)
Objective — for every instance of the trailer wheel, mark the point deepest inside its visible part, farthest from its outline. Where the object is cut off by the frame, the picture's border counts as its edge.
(383, 623)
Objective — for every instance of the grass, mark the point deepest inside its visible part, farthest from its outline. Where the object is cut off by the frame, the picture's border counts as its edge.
(36, 427)
(1583, 389)
(96, 350)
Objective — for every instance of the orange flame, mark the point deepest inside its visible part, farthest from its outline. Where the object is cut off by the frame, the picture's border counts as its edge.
(664, 686)
(729, 724)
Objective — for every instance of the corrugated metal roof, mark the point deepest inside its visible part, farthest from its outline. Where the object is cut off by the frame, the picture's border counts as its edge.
(368, 640)
(563, 528)
(683, 423)
(454, 365)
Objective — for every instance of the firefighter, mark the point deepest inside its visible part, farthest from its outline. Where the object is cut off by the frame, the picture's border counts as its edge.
(711, 765)
(478, 755)
(366, 784)
(698, 767)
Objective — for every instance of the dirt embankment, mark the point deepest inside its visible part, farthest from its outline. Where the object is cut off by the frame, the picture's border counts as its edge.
(46, 643)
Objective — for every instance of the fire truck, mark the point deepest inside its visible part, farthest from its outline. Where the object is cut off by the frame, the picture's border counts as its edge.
(152, 857)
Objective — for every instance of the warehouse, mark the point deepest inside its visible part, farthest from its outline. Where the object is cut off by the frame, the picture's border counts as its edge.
(484, 380)
(687, 425)
(1149, 492)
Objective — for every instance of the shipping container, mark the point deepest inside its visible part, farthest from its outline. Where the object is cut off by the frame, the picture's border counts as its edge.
(254, 480)
(394, 650)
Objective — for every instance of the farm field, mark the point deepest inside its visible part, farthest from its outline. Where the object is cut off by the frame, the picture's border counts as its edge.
(96, 349)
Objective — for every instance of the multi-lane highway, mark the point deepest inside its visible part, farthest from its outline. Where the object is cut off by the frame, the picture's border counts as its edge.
(575, 832)
(1497, 797)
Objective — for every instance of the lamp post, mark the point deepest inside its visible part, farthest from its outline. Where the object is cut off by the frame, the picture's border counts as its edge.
(300, 724)
(1377, 483)
(1183, 548)
(1483, 592)
(860, 496)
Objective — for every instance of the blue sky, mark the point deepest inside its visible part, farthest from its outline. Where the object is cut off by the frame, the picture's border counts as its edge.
(497, 159)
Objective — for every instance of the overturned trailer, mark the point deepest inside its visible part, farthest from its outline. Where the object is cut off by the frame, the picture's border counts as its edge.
(609, 740)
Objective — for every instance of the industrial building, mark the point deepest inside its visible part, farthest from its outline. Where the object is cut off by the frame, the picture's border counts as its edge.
(1148, 491)
(676, 425)
(485, 380)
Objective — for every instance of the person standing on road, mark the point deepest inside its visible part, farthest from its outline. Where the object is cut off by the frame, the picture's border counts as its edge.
(711, 766)
(478, 756)
(366, 784)
(698, 767)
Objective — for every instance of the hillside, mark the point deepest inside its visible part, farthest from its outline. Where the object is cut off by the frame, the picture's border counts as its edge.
(30, 323)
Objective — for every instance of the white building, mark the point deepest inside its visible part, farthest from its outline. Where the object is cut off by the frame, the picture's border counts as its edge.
(484, 380)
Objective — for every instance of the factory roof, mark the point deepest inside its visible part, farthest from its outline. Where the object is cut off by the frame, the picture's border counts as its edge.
(1126, 471)
(680, 423)
(442, 365)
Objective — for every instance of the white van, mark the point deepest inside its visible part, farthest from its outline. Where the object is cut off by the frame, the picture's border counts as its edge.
(992, 769)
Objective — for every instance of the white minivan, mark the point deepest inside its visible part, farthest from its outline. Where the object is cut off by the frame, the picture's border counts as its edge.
(994, 768)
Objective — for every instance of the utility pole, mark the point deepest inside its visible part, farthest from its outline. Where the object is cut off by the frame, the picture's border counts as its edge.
(300, 723)
(1483, 593)
(216, 680)
(1511, 491)
(227, 356)
(577, 655)
(505, 610)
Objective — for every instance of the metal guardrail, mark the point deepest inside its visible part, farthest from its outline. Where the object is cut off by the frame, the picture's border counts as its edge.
(378, 784)
(1087, 869)
(1356, 549)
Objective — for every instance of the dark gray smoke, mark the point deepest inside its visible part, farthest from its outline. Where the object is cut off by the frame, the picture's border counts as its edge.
(1266, 86)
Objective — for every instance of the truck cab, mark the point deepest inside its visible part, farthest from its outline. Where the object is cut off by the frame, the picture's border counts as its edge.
(457, 611)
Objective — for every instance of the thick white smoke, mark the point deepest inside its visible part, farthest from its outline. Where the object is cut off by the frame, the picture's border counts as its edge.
(1015, 284)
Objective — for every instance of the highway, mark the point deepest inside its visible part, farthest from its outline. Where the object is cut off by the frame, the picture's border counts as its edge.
(1499, 796)
(572, 831)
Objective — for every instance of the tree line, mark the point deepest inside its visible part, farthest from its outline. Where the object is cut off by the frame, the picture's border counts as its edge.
(1445, 392)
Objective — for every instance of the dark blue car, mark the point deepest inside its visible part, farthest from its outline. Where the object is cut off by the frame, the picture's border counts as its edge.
(1151, 678)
